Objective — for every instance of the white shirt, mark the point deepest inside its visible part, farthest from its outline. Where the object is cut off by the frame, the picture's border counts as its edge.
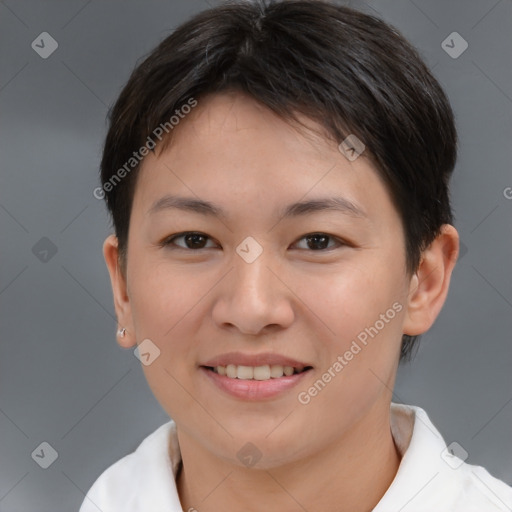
(429, 478)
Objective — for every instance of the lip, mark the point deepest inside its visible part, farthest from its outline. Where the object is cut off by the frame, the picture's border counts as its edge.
(240, 359)
(253, 390)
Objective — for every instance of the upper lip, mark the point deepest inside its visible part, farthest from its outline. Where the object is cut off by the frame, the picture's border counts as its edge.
(240, 359)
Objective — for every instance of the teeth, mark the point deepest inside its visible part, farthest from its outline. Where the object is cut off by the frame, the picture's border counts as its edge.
(265, 372)
(230, 371)
(288, 370)
(245, 372)
(276, 371)
(262, 372)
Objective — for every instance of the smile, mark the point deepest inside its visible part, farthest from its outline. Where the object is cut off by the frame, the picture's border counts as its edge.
(264, 372)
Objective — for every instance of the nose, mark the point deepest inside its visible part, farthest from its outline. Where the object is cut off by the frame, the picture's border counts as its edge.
(253, 298)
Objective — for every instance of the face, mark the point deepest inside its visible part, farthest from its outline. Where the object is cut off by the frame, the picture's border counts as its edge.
(302, 306)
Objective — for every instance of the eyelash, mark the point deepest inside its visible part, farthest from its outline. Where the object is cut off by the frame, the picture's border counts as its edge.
(169, 241)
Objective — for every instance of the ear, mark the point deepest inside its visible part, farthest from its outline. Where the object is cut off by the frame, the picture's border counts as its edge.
(119, 290)
(429, 285)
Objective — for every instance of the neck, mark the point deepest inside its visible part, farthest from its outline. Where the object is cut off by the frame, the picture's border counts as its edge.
(350, 474)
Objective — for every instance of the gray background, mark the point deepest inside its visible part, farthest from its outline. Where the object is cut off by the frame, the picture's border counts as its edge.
(63, 378)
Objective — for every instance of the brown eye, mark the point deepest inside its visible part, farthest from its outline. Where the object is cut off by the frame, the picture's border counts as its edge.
(319, 241)
(191, 240)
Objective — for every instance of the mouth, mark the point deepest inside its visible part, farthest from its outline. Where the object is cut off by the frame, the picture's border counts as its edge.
(250, 377)
(254, 377)
(259, 373)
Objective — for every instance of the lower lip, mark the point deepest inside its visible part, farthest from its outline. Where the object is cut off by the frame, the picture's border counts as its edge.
(254, 389)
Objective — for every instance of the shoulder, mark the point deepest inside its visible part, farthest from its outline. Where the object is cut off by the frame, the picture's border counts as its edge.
(136, 479)
(478, 490)
(434, 476)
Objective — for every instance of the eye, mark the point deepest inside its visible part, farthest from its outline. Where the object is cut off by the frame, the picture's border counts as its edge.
(193, 240)
(320, 241)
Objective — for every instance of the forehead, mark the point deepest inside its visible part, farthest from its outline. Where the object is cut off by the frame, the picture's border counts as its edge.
(232, 149)
(237, 117)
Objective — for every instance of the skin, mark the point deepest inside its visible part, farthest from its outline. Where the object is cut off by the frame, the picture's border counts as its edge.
(335, 453)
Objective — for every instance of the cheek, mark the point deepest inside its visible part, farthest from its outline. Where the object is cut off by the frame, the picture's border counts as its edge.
(165, 308)
(362, 305)
(363, 309)
(162, 296)
(349, 299)
(164, 305)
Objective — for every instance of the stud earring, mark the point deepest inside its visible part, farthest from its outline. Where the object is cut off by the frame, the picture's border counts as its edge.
(121, 332)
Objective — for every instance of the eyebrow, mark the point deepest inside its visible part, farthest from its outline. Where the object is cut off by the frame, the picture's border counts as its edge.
(300, 208)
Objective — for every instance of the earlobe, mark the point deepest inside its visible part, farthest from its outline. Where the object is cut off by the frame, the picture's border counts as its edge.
(125, 337)
(429, 286)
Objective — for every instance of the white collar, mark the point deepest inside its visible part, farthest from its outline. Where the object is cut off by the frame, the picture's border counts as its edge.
(426, 481)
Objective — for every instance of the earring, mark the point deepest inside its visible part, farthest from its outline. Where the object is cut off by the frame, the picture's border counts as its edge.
(121, 332)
